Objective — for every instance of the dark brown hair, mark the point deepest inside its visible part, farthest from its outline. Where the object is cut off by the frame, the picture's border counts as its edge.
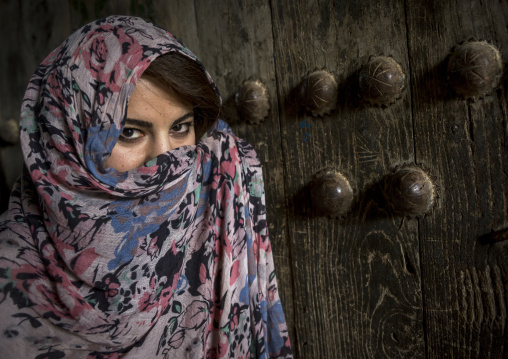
(187, 81)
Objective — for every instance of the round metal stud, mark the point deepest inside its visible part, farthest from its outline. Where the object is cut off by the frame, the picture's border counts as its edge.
(318, 93)
(252, 102)
(331, 193)
(381, 81)
(474, 69)
(9, 131)
(411, 192)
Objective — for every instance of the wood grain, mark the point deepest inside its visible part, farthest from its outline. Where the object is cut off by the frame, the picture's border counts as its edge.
(464, 145)
(30, 30)
(236, 44)
(357, 280)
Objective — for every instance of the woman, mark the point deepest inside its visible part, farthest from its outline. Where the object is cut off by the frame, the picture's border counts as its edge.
(133, 233)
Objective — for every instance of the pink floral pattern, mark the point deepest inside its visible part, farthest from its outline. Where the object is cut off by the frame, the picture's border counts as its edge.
(171, 260)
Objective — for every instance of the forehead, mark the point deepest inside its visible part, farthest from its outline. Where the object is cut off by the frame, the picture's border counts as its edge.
(152, 103)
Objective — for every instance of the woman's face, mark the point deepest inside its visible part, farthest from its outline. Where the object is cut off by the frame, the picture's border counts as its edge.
(156, 123)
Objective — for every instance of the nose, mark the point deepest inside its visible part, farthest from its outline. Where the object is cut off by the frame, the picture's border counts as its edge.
(160, 144)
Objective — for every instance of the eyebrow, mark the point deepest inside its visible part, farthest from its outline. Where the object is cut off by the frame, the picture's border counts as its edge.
(146, 124)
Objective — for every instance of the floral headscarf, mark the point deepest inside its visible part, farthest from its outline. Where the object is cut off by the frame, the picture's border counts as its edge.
(170, 260)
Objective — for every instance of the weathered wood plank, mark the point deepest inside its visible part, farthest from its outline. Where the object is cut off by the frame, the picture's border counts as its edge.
(30, 30)
(236, 44)
(179, 18)
(357, 280)
(465, 145)
(81, 12)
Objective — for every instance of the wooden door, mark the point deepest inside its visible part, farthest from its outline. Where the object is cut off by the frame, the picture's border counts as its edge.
(370, 283)
(357, 279)
(374, 284)
(465, 144)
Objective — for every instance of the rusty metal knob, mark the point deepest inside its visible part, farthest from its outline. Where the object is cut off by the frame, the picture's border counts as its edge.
(9, 131)
(381, 81)
(252, 101)
(411, 192)
(318, 93)
(331, 193)
(474, 69)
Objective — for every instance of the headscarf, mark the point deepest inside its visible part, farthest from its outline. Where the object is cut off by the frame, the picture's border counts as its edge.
(170, 260)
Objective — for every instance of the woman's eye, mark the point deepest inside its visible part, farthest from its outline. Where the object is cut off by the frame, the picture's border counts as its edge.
(129, 134)
(182, 128)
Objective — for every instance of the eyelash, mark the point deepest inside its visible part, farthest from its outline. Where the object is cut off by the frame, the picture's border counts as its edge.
(186, 132)
(175, 134)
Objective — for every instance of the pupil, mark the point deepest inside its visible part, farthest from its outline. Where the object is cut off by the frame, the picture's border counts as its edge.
(128, 132)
